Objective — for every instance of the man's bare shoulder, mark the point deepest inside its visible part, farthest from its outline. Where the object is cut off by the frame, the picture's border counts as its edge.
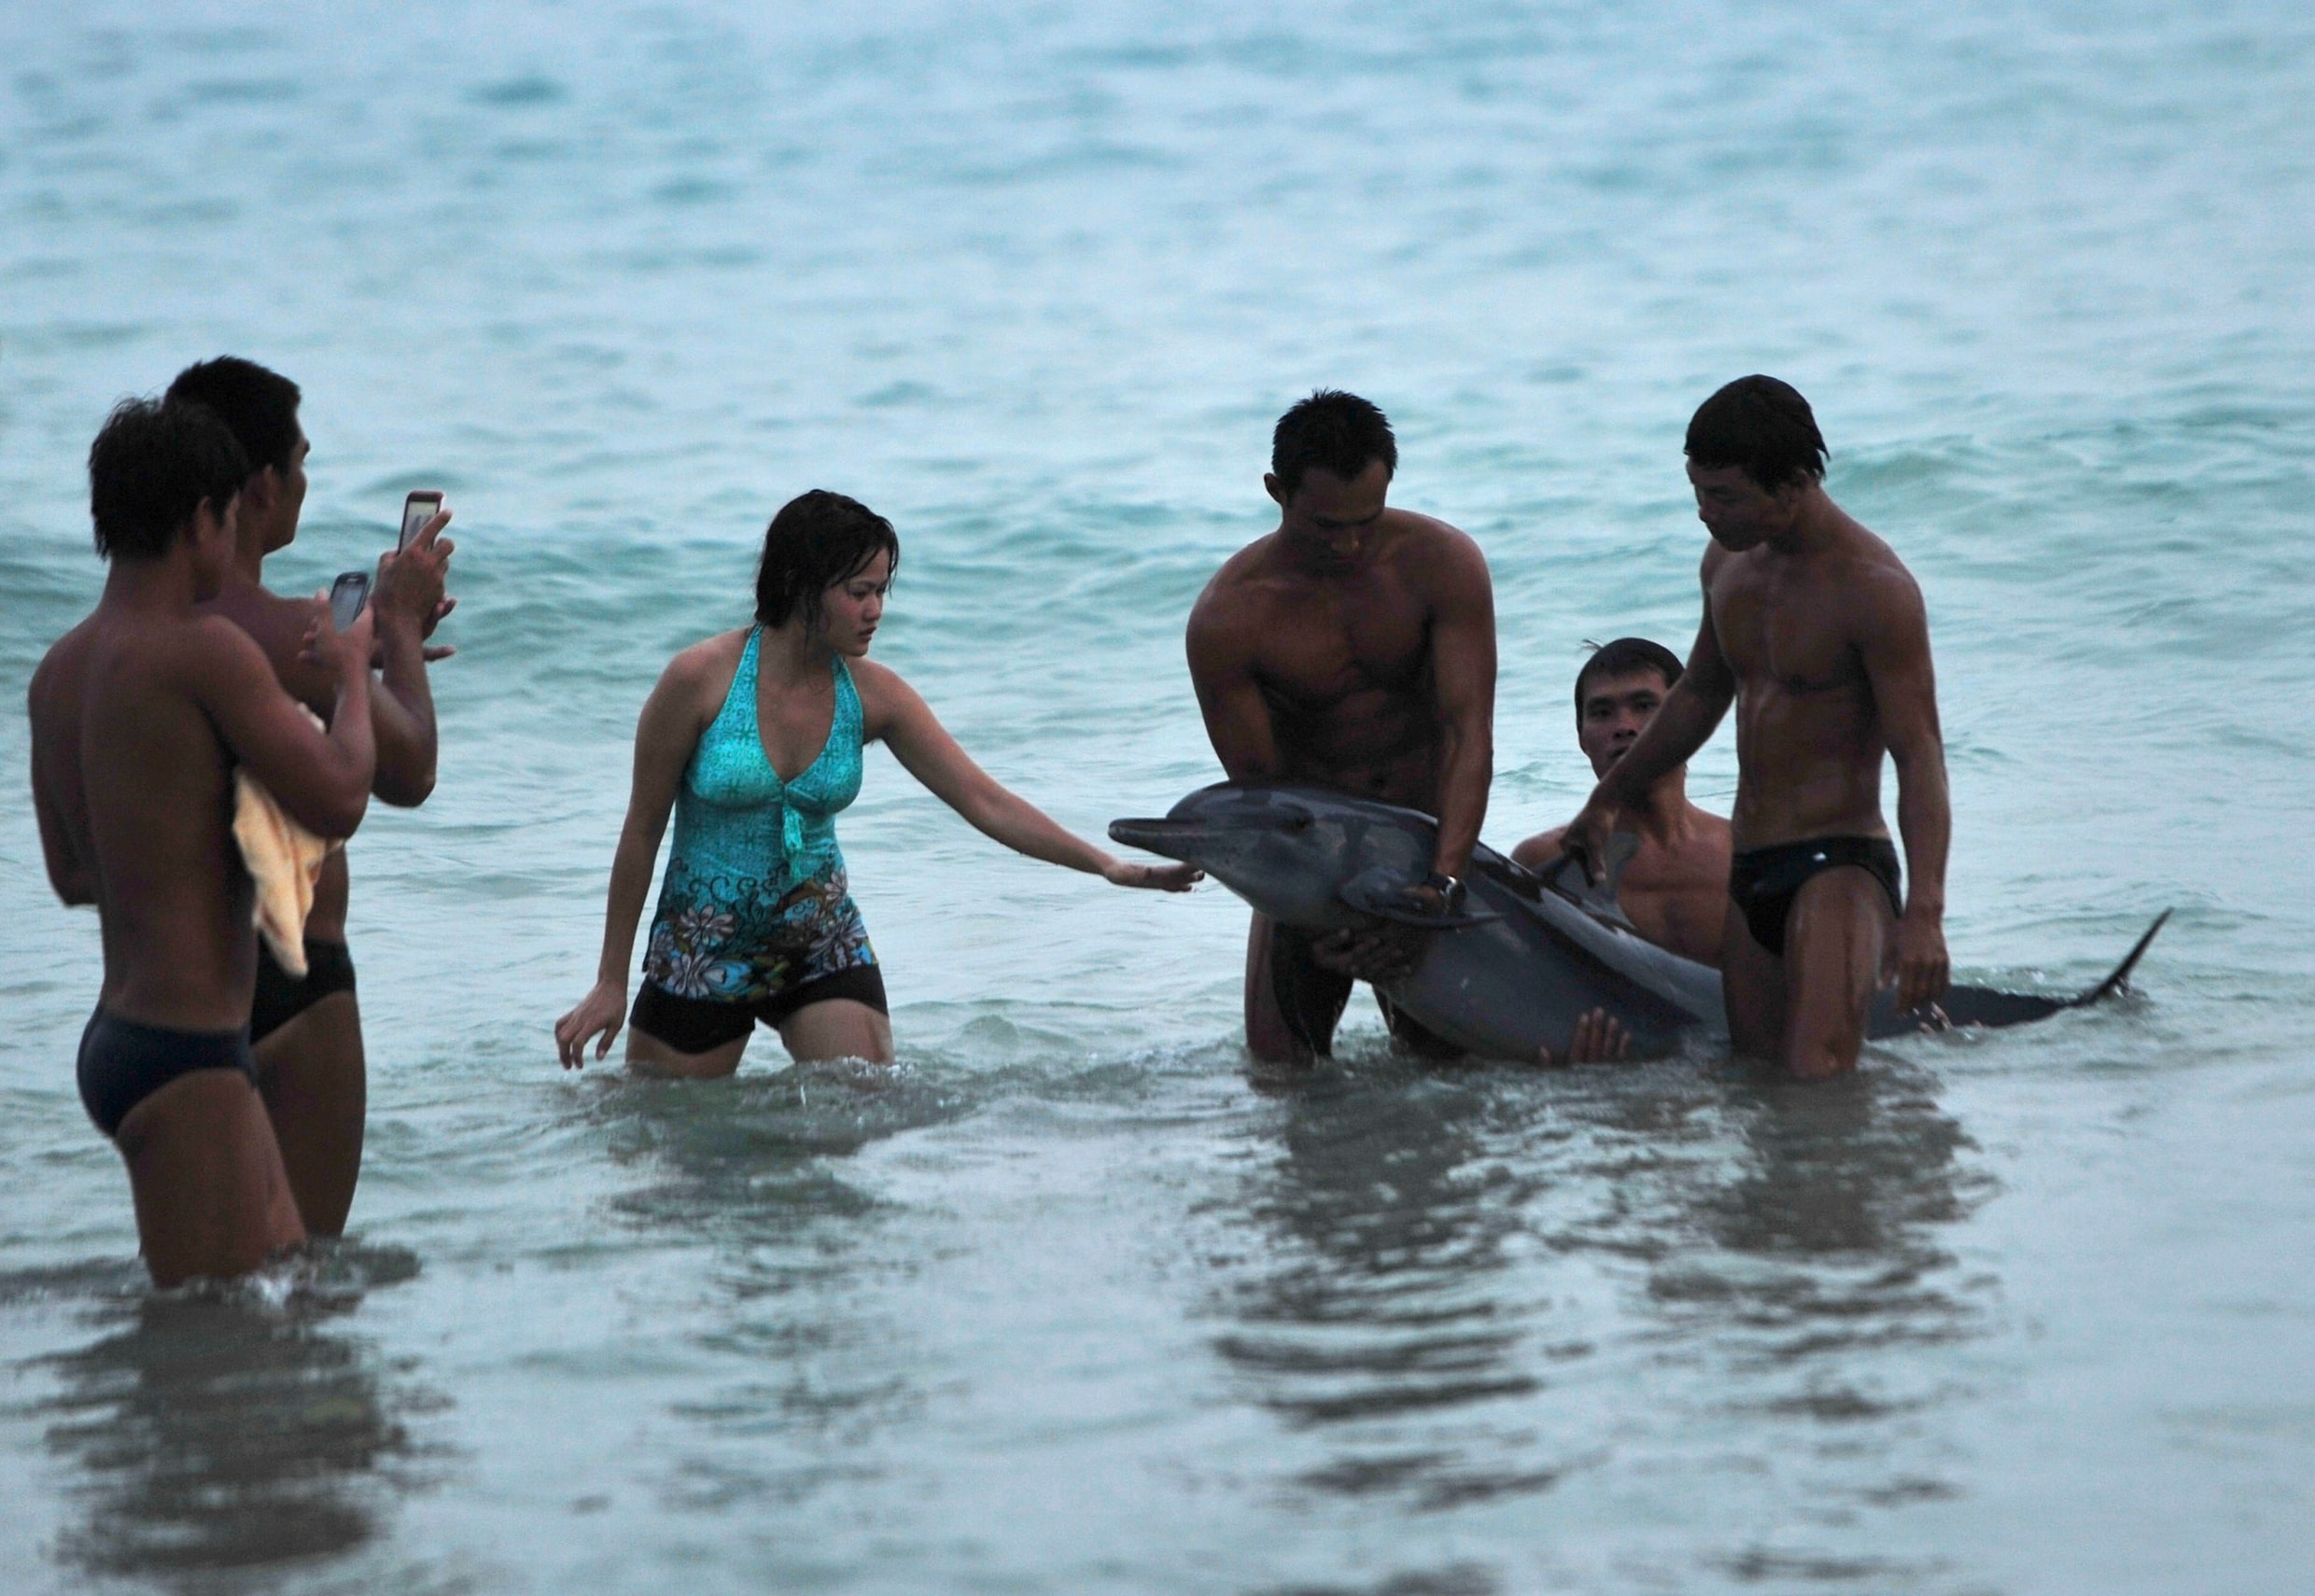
(278, 626)
(1884, 588)
(1541, 849)
(1236, 598)
(1249, 570)
(210, 653)
(265, 615)
(1433, 551)
(60, 668)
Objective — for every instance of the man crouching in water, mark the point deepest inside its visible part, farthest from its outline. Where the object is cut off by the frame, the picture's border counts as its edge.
(1816, 631)
(1674, 889)
(1352, 647)
(139, 715)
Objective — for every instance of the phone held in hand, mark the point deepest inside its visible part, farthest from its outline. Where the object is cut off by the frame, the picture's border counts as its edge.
(418, 509)
(347, 595)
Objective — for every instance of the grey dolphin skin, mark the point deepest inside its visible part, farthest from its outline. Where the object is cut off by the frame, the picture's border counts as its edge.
(1510, 974)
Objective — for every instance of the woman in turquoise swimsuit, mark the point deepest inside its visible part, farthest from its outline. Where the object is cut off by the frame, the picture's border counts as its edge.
(755, 922)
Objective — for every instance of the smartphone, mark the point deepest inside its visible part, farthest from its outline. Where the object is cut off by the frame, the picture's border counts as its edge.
(347, 595)
(418, 509)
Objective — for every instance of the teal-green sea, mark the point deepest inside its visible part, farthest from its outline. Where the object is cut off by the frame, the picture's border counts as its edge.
(1066, 1301)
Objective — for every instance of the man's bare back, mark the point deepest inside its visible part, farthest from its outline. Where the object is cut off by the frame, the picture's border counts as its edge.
(1352, 647)
(1816, 633)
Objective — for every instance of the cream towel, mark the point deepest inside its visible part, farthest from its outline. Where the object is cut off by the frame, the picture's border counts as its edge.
(283, 859)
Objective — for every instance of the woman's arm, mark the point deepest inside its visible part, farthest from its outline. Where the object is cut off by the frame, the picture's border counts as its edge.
(927, 751)
(665, 736)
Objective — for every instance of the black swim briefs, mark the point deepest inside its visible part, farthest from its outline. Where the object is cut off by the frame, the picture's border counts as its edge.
(1764, 881)
(281, 998)
(1311, 999)
(701, 1025)
(122, 1063)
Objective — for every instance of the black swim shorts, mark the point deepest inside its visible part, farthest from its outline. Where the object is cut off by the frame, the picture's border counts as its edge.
(1764, 881)
(281, 998)
(701, 1025)
(1311, 999)
(122, 1063)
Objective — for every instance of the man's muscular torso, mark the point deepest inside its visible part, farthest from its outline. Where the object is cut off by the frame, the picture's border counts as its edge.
(1343, 661)
(1804, 704)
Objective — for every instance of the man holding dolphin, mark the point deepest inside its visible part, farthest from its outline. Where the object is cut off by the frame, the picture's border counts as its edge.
(1816, 631)
(1352, 647)
(1674, 887)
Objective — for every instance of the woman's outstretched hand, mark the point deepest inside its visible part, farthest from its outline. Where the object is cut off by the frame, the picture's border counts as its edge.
(1164, 877)
(602, 1011)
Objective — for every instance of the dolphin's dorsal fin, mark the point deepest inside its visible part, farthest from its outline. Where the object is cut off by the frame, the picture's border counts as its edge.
(1569, 878)
(2119, 979)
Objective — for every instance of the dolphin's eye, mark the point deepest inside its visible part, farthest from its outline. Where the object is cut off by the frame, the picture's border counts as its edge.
(1299, 821)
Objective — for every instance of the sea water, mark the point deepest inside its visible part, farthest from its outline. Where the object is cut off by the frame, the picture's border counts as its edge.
(1068, 1300)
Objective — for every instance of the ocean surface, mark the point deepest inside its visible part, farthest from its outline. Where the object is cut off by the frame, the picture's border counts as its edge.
(1069, 1301)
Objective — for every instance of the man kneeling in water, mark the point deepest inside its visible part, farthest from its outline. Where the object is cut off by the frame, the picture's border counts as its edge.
(1674, 889)
(139, 716)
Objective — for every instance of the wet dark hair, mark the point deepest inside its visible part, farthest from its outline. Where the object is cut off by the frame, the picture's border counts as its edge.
(1761, 425)
(1331, 431)
(817, 540)
(1627, 656)
(259, 406)
(153, 464)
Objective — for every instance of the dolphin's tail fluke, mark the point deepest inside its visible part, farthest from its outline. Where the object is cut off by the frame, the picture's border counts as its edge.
(2121, 977)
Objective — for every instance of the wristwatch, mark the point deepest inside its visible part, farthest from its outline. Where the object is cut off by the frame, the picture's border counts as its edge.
(1446, 886)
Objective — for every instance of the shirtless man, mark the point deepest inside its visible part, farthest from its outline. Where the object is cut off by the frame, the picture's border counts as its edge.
(307, 1033)
(1816, 631)
(1674, 889)
(139, 716)
(1352, 647)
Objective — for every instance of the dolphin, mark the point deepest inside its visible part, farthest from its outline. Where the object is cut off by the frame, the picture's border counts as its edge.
(1507, 975)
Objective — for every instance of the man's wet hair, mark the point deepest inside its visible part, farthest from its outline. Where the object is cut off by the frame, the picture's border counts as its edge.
(1331, 431)
(1627, 656)
(1761, 425)
(817, 540)
(260, 406)
(153, 464)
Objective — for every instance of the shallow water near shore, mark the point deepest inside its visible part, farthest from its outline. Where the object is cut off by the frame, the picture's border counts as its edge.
(1071, 1300)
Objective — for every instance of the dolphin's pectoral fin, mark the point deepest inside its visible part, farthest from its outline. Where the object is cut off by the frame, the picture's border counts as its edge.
(1569, 878)
(1382, 892)
(2120, 980)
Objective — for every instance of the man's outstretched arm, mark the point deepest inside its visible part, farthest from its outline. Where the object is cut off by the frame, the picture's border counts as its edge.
(1691, 711)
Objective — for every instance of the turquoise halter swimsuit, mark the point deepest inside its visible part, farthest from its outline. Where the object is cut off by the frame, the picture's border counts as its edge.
(755, 902)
